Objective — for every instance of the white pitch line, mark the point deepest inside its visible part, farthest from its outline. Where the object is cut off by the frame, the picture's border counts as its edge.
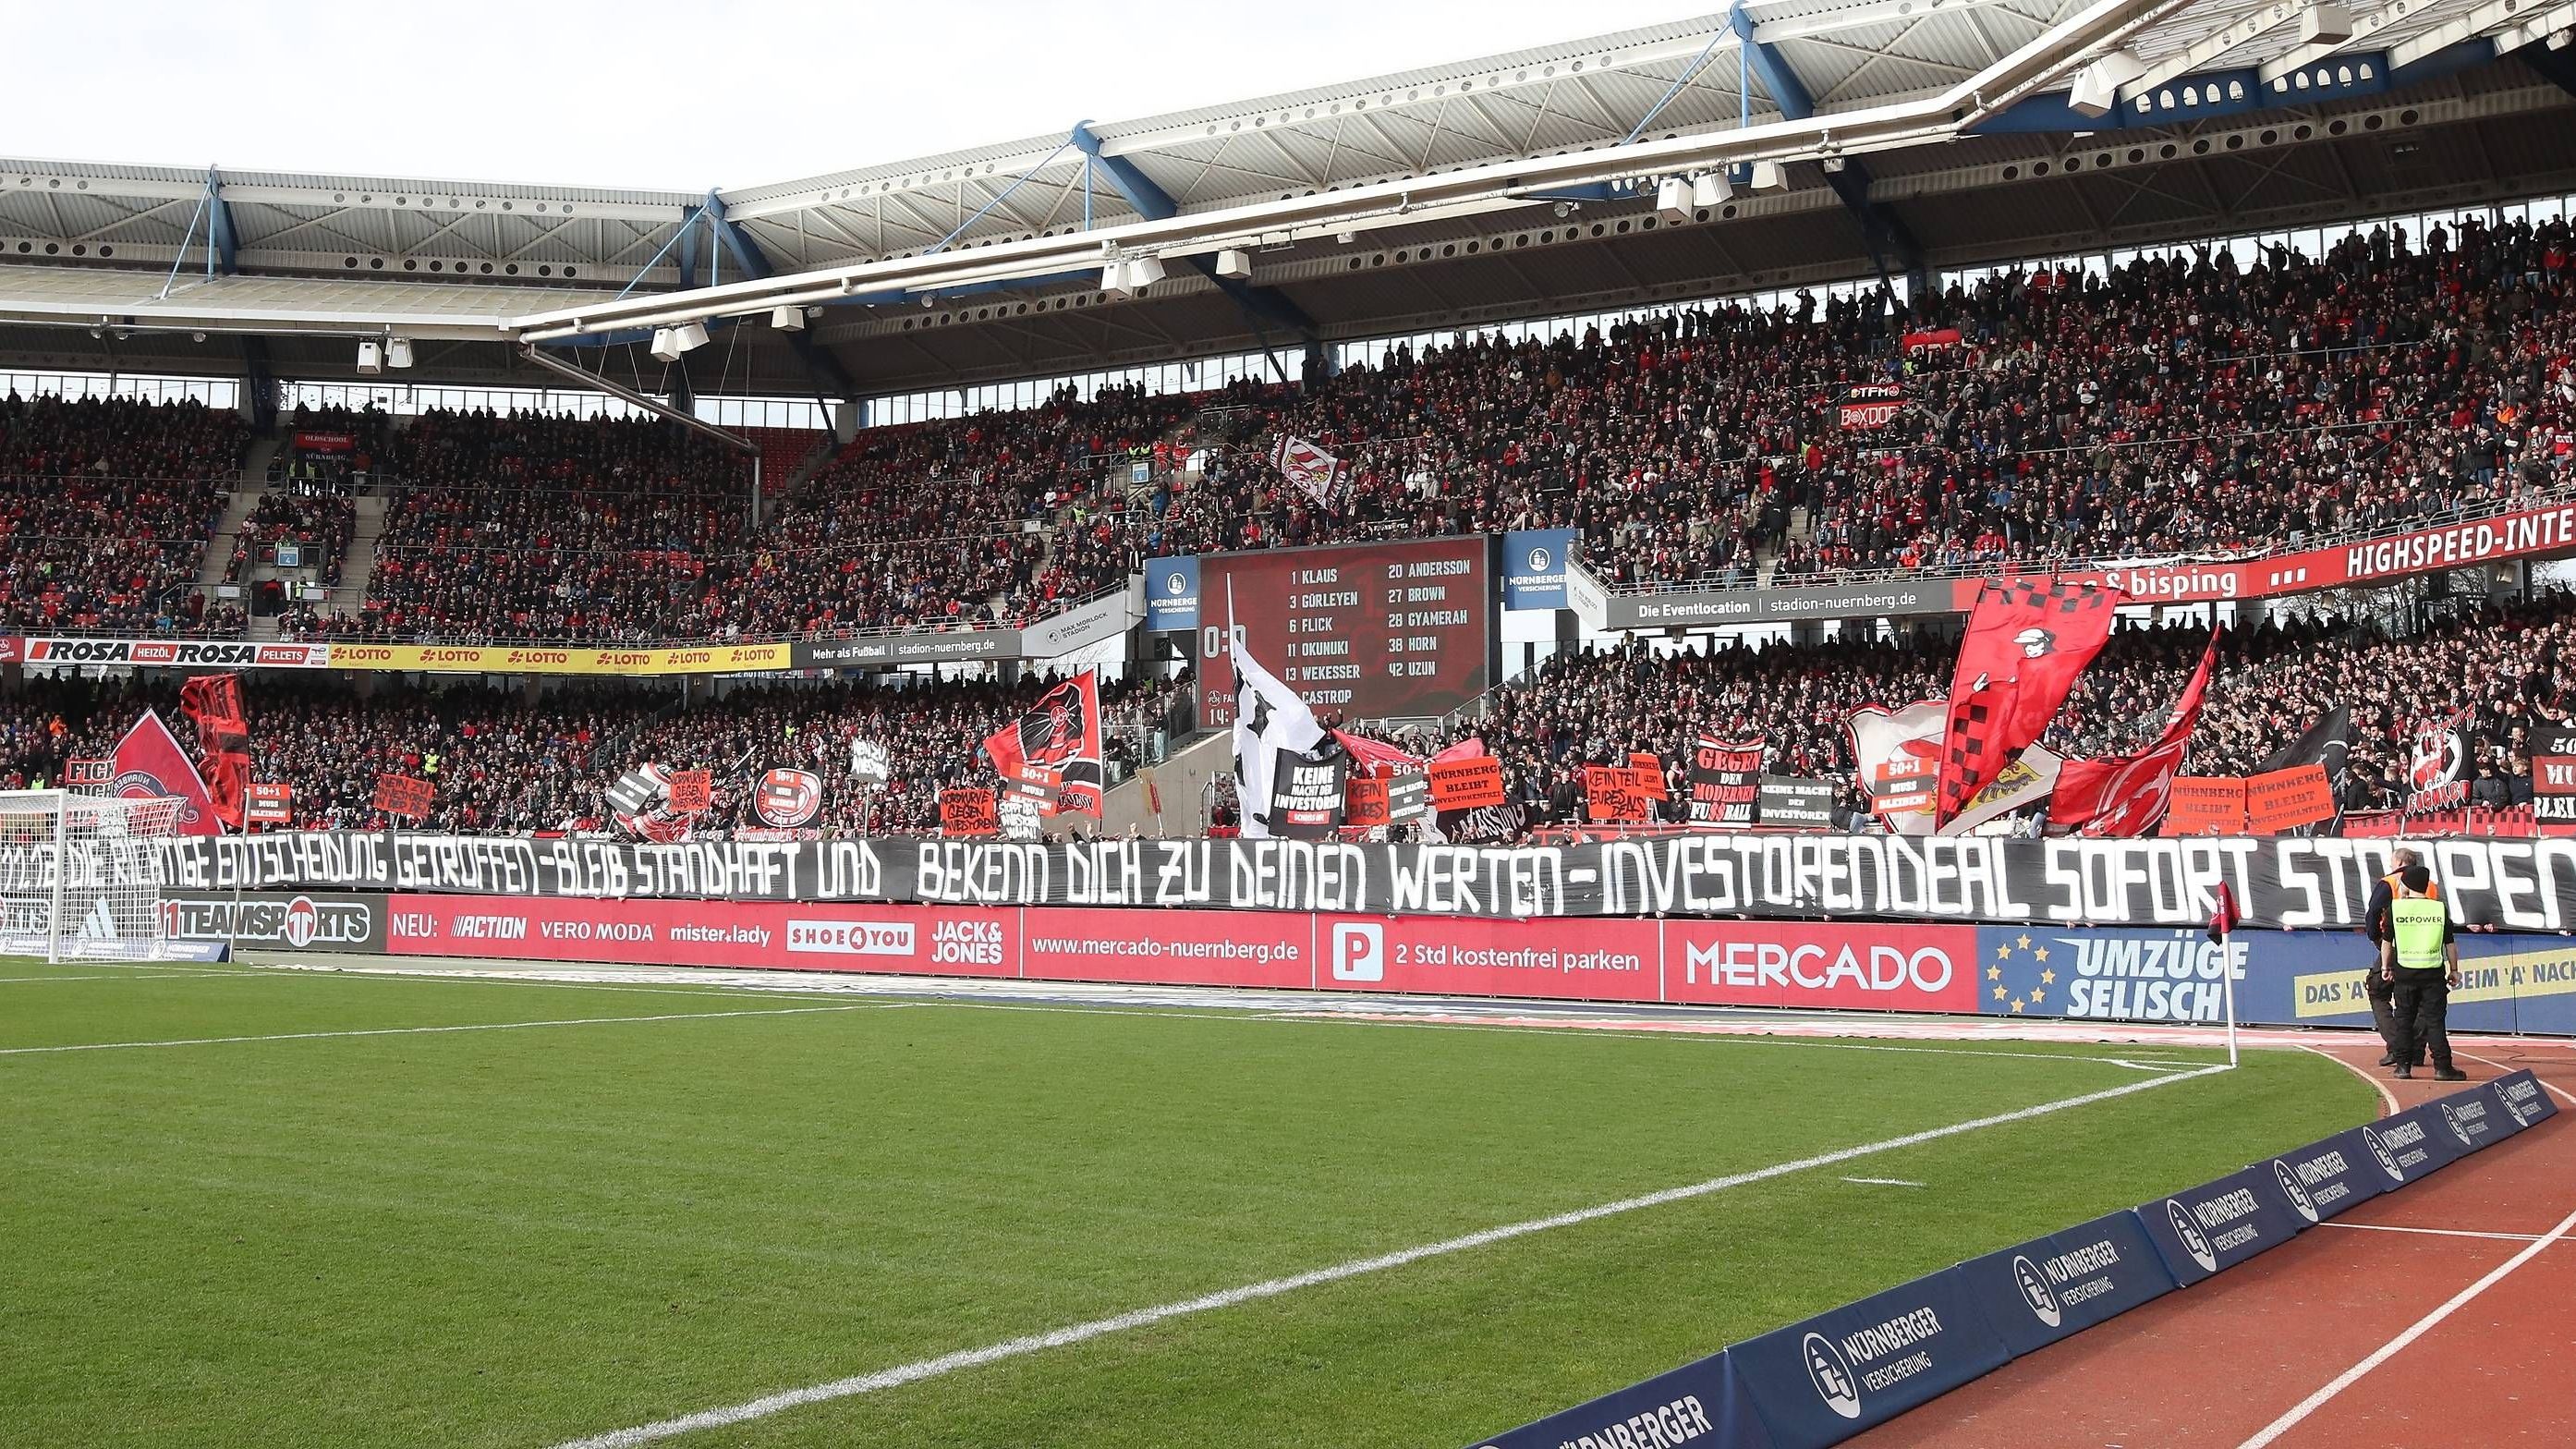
(1884, 1182)
(1611, 1030)
(109, 1046)
(2299, 1412)
(930, 994)
(2434, 1232)
(930, 1368)
(164, 976)
(476, 978)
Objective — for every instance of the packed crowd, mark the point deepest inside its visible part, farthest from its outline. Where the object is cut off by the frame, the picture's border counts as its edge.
(503, 762)
(105, 509)
(2167, 407)
(2512, 670)
(535, 526)
(2170, 406)
(932, 524)
(500, 762)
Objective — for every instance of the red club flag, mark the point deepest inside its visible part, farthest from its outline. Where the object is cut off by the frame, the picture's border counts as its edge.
(2028, 641)
(213, 703)
(2223, 920)
(2126, 795)
(150, 764)
(1053, 751)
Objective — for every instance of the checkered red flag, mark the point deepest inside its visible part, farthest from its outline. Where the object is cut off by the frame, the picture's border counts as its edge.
(2028, 641)
(2119, 796)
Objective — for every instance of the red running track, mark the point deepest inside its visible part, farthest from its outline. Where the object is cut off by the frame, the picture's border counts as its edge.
(2272, 1354)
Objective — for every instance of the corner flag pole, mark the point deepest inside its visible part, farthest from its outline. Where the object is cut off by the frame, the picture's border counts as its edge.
(2222, 929)
(2223, 920)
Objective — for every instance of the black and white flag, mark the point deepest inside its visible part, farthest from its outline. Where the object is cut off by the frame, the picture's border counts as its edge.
(2328, 745)
(1268, 717)
(638, 790)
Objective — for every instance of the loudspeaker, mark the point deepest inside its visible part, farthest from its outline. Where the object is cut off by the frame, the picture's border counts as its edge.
(2325, 25)
(1672, 200)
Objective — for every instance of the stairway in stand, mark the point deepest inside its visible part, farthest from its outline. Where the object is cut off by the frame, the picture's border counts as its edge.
(238, 507)
(358, 566)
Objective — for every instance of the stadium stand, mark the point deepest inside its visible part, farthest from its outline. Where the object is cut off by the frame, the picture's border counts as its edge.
(2508, 666)
(540, 766)
(106, 506)
(2164, 407)
(504, 764)
(526, 526)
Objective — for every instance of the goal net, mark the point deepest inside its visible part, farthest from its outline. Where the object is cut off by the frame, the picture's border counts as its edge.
(80, 875)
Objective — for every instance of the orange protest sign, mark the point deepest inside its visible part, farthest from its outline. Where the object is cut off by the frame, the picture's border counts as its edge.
(1467, 784)
(2287, 799)
(692, 791)
(1364, 802)
(2205, 805)
(969, 812)
(1619, 794)
(403, 795)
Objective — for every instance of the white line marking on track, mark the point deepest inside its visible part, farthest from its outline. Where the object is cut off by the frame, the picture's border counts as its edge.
(929, 1368)
(2434, 1232)
(109, 1046)
(2563, 1094)
(1884, 1182)
(2386, 1096)
(2299, 1412)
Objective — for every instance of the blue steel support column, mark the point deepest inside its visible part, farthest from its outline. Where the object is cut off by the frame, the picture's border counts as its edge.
(223, 259)
(830, 379)
(1259, 305)
(1891, 243)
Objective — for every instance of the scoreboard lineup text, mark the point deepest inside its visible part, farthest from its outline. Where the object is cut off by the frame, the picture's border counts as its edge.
(1368, 631)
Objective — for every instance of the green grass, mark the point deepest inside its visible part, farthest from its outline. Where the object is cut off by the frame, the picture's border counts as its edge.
(519, 1237)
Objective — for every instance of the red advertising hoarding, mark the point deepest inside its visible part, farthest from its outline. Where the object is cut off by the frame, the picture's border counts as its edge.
(1715, 963)
(938, 941)
(1595, 960)
(1844, 968)
(1170, 948)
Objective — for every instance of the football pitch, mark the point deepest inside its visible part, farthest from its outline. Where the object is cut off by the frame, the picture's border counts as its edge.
(245, 1207)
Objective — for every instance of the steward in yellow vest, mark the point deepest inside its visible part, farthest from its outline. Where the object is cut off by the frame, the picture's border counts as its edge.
(2420, 958)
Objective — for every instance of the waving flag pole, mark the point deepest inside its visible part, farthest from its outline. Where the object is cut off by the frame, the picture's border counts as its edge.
(2222, 924)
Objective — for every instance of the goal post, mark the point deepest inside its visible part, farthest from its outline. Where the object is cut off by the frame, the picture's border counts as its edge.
(80, 875)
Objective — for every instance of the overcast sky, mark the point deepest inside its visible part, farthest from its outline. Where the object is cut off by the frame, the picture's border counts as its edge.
(652, 94)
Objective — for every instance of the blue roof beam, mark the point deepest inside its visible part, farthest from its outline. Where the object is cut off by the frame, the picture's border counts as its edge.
(1259, 304)
(223, 250)
(825, 371)
(1892, 245)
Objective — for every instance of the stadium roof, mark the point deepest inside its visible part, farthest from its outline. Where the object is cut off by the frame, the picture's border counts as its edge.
(1494, 188)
